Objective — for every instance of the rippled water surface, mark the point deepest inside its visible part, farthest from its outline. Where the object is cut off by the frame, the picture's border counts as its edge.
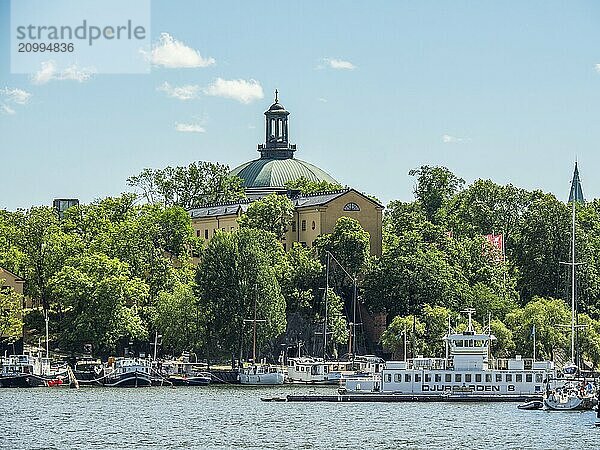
(234, 417)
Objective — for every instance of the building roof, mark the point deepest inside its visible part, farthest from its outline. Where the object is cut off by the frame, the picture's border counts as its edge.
(17, 278)
(275, 172)
(299, 201)
(277, 165)
(219, 209)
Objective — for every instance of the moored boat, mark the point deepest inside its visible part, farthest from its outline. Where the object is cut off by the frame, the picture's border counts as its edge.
(468, 370)
(261, 375)
(128, 372)
(182, 372)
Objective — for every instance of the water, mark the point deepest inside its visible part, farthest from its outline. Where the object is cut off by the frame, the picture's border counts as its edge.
(234, 417)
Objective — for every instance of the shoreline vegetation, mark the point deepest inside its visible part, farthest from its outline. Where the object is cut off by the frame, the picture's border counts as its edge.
(116, 272)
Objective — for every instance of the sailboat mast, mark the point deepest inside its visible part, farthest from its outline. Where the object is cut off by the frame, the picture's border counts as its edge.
(254, 333)
(326, 301)
(573, 285)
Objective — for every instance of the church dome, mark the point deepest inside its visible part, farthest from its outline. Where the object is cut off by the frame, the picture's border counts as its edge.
(276, 165)
(275, 173)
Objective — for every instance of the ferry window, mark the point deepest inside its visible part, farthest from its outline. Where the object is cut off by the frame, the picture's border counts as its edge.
(538, 377)
(397, 378)
(438, 378)
(528, 378)
(313, 226)
(388, 377)
(498, 377)
(488, 377)
(197, 233)
(294, 226)
(304, 225)
(459, 343)
(417, 377)
(468, 377)
(458, 378)
(448, 378)
(206, 234)
(407, 378)
(508, 377)
(519, 378)
(478, 378)
(478, 343)
(427, 378)
(470, 342)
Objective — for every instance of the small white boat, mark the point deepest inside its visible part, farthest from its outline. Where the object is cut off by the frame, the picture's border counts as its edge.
(261, 374)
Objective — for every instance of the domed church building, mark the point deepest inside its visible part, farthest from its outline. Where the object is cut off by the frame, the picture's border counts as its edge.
(314, 214)
(276, 165)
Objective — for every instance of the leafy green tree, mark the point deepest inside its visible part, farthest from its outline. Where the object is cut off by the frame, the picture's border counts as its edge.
(306, 186)
(271, 213)
(434, 188)
(541, 243)
(238, 271)
(401, 328)
(349, 244)
(196, 185)
(504, 345)
(11, 320)
(179, 319)
(549, 317)
(101, 302)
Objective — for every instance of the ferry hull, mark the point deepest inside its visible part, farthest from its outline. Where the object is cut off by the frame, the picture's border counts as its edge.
(262, 379)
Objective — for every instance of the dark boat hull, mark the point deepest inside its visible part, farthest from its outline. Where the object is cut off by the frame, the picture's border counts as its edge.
(22, 381)
(130, 379)
(188, 381)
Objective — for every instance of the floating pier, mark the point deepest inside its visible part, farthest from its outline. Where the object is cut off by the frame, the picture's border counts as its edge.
(400, 398)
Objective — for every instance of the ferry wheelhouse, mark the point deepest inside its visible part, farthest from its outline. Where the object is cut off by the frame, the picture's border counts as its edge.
(467, 369)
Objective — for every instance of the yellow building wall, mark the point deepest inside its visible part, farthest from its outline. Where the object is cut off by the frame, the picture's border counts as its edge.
(323, 217)
(369, 216)
(212, 224)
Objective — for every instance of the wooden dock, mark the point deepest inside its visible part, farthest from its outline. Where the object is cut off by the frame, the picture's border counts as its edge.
(401, 398)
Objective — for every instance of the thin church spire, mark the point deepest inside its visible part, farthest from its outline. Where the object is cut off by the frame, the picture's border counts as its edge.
(576, 193)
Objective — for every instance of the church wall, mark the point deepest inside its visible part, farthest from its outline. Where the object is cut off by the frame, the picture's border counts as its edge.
(369, 216)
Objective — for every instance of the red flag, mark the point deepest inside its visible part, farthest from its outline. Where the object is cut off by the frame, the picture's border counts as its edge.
(496, 241)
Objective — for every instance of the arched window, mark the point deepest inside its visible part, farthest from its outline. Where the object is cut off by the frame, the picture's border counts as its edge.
(351, 207)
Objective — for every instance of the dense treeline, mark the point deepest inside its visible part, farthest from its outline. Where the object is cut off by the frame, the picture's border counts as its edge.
(120, 270)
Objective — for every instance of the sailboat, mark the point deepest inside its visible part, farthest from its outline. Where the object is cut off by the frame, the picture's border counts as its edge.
(571, 392)
(259, 374)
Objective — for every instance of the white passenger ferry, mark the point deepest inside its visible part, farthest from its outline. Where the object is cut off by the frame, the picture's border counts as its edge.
(468, 369)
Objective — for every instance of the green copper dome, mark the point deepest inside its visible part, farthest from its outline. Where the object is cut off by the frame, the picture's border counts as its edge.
(273, 172)
(277, 165)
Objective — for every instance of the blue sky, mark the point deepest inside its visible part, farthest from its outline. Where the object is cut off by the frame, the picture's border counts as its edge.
(502, 90)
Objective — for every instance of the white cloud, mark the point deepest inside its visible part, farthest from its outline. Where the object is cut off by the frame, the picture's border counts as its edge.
(76, 73)
(15, 95)
(448, 139)
(322, 100)
(186, 92)
(339, 64)
(5, 109)
(49, 71)
(241, 90)
(189, 127)
(45, 74)
(10, 97)
(597, 66)
(171, 53)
